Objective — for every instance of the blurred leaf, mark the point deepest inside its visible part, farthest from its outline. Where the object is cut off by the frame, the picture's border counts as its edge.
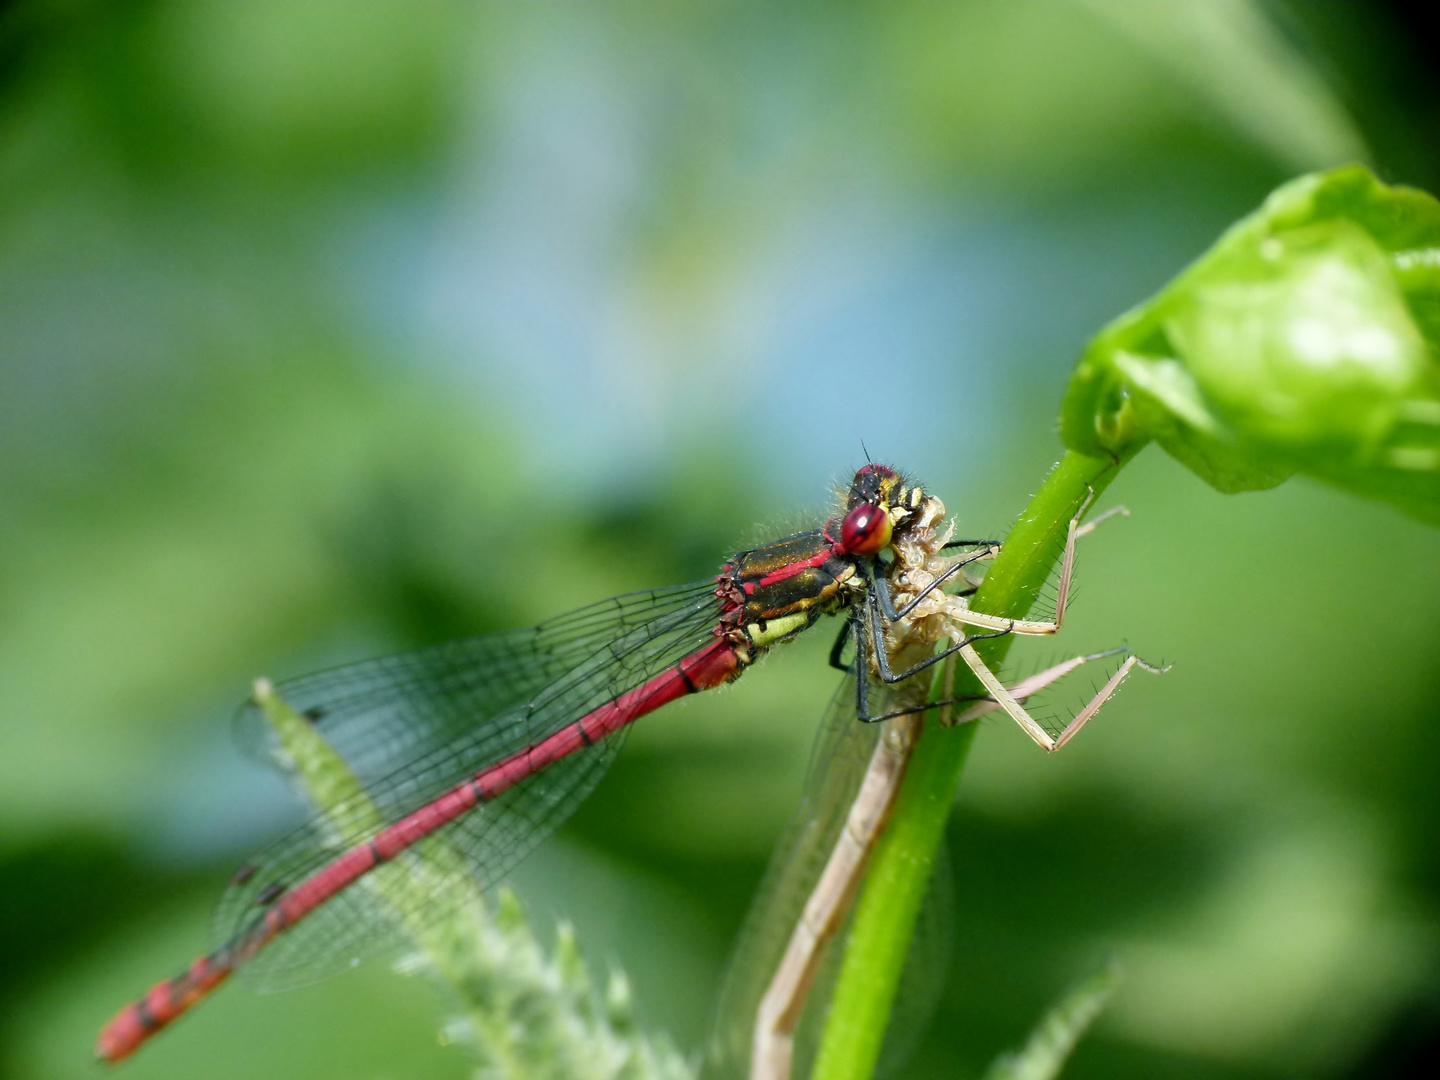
(1034, 94)
(1054, 1038)
(1304, 341)
(1235, 59)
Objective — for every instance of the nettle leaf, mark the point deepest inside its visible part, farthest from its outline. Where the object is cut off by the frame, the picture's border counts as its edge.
(1307, 340)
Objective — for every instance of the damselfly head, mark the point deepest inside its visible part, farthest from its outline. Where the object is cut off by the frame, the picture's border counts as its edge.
(879, 501)
(875, 485)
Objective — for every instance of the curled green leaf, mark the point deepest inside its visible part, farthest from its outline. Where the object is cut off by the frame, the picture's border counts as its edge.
(1307, 340)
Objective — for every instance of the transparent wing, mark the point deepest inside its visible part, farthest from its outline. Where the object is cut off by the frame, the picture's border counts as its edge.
(381, 713)
(841, 754)
(922, 980)
(420, 703)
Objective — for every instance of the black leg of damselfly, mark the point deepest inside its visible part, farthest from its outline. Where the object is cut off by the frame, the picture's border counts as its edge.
(941, 655)
(970, 543)
(838, 649)
(862, 667)
(967, 699)
(946, 576)
(880, 588)
(882, 661)
(862, 687)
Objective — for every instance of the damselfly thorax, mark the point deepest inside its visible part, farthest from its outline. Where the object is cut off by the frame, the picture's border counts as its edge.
(775, 591)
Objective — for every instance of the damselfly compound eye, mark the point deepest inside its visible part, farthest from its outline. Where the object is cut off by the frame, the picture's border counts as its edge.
(866, 530)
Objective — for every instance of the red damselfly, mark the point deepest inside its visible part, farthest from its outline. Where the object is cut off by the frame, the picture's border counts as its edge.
(491, 742)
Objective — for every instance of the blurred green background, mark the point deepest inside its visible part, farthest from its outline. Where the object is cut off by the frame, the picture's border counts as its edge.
(333, 329)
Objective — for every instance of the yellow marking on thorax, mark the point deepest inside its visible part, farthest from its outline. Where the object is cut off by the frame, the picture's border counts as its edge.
(775, 629)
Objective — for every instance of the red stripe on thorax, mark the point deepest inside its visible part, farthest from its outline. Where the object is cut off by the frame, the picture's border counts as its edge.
(789, 570)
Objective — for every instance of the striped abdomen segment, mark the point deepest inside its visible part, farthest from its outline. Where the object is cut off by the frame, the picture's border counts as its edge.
(716, 663)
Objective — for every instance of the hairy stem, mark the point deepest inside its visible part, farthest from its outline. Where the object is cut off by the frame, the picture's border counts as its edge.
(526, 1015)
(900, 871)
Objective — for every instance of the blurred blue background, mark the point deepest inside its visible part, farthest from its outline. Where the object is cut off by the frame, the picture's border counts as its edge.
(333, 329)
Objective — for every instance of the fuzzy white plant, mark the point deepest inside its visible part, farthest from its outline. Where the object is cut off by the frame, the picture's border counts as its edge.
(1051, 1043)
(523, 1013)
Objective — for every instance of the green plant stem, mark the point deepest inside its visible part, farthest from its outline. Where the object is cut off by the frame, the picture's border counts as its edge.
(900, 871)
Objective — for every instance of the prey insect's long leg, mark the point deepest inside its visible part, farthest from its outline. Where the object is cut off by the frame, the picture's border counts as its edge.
(784, 1000)
(1028, 687)
(1008, 701)
(880, 607)
(940, 581)
(961, 612)
(992, 548)
(985, 704)
(1091, 526)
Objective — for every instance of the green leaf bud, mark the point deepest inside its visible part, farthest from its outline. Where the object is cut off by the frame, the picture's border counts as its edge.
(1305, 341)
